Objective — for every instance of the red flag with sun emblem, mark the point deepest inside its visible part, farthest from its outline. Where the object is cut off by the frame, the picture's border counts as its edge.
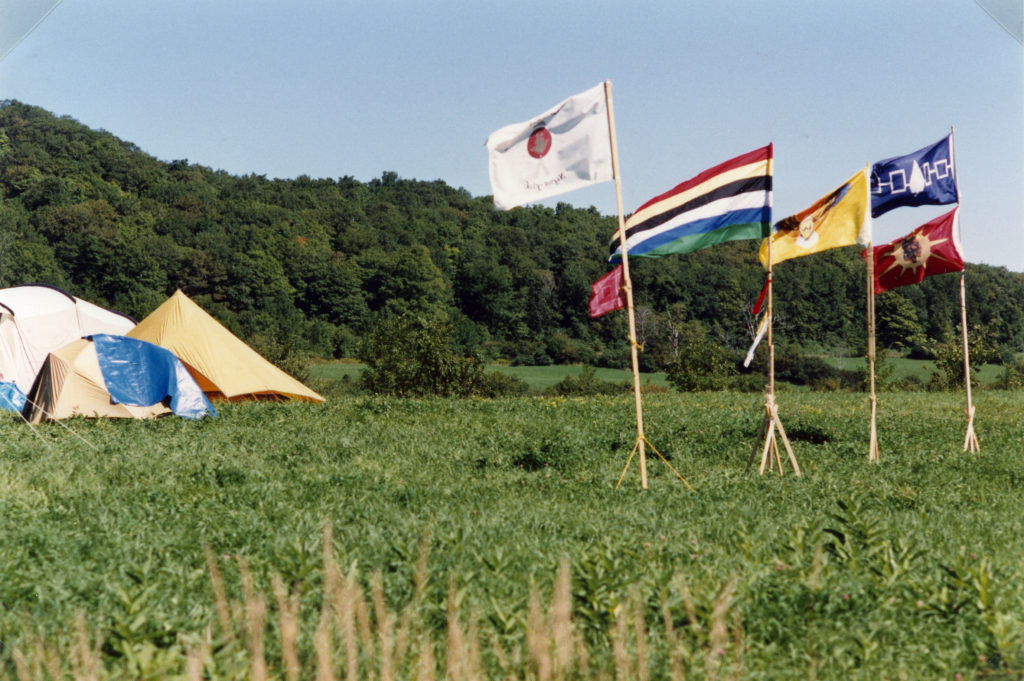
(932, 248)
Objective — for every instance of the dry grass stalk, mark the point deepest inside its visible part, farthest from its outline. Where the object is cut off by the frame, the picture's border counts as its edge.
(21, 666)
(383, 621)
(288, 618)
(386, 651)
(49, 659)
(639, 637)
(582, 657)
(474, 669)
(691, 609)
(675, 659)
(331, 572)
(362, 612)
(403, 632)
(561, 619)
(620, 641)
(499, 653)
(255, 619)
(427, 666)
(718, 636)
(322, 646)
(85, 661)
(195, 657)
(193, 664)
(737, 646)
(256, 612)
(537, 637)
(220, 598)
(345, 610)
(816, 565)
(456, 661)
(422, 571)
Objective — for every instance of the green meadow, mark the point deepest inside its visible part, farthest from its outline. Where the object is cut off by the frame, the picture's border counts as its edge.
(379, 538)
(543, 378)
(538, 378)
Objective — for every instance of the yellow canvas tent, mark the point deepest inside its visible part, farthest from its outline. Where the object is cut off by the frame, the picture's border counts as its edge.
(223, 366)
(70, 383)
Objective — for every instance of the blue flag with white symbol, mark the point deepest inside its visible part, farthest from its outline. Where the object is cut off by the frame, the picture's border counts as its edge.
(925, 177)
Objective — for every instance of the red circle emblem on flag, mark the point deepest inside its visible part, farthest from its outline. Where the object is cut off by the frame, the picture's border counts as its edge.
(539, 143)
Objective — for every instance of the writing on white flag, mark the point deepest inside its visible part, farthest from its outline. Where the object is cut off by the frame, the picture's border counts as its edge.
(564, 148)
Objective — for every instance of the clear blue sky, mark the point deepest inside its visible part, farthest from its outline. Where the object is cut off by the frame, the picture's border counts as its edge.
(335, 88)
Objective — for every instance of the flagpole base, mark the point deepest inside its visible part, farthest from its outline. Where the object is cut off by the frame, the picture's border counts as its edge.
(772, 431)
(970, 439)
(641, 440)
(873, 441)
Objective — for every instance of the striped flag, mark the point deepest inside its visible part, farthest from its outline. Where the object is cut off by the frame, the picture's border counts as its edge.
(731, 201)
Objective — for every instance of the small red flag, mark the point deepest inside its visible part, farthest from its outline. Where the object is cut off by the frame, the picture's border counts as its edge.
(756, 310)
(932, 248)
(607, 293)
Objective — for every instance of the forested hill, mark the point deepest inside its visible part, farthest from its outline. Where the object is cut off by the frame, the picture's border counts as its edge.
(312, 265)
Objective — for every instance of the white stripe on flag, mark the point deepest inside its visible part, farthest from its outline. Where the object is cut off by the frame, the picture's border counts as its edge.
(761, 329)
(754, 199)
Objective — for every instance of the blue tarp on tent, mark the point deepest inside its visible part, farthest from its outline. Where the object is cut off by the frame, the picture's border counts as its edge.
(11, 397)
(142, 374)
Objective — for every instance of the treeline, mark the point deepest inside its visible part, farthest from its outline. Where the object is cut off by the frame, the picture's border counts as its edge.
(314, 266)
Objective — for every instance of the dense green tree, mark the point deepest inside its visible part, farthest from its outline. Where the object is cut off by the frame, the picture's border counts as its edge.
(897, 326)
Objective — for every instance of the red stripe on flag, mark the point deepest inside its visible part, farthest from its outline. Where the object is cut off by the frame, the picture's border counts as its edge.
(762, 154)
(760, 299)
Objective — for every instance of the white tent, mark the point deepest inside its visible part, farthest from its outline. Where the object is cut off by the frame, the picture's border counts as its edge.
(36, 319)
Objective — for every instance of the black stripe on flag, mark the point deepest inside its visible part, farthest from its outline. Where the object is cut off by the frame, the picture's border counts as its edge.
(759, 183)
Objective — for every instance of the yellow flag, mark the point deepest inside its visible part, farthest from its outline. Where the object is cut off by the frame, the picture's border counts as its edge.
(840, 219)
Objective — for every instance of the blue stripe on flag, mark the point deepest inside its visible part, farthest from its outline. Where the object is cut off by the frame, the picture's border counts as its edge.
(751, 215)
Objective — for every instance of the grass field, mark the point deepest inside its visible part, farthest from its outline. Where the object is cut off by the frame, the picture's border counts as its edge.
(922, 368)
(448, 522)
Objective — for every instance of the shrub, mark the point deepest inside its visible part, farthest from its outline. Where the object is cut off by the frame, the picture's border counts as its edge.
(910, 383)
(587, 383)
(795, 367)
(949, 357)
(412, 357)
(1012, 375)
(500, 384)
(701, 364)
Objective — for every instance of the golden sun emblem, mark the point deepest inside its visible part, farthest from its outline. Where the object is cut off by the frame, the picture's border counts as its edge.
(913, 252)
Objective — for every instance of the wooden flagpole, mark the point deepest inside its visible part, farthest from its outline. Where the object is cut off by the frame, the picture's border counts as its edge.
(771, 422)
(873, 400)
(970, 438)
(627, 286)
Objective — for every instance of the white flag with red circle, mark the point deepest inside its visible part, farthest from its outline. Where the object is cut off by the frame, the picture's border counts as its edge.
(565, 148)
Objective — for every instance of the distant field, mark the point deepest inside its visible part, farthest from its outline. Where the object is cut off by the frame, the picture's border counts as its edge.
(922, 368)
(538, 378)
(543, 377)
